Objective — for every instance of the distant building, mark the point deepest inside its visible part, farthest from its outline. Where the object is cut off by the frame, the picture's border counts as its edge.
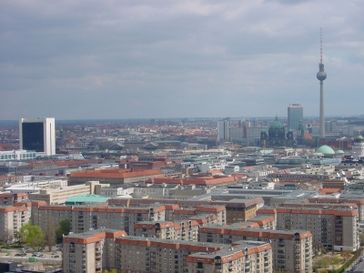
(237, 210)
(237, 134)
(112, 176)
(17, 155)
(358, 147)
(206, 181)
(295, 117)
(223, 130)
(253, 133)
(38, 135)
(276, 134)
(61, 194)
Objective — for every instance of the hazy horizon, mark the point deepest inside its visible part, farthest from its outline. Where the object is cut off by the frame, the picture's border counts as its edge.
(130, 59)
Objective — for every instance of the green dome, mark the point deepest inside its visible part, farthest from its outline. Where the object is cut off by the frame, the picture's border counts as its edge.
(340, 152)
(276, 124)
(326, 150)
(359, 138)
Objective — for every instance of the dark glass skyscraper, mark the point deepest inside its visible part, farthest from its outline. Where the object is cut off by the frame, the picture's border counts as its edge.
(33, 136)
(38, 135)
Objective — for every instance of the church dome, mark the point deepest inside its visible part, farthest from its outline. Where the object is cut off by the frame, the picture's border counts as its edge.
(359, 138)
(276, 124)
(326, 150)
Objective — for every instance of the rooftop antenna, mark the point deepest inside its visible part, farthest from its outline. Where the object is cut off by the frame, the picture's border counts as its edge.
(321, 45)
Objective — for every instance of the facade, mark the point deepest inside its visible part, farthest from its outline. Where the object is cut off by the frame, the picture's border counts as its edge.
(237, 134)
(334, 226)
(346, 197)
(253, 133)
(9, 199)
(258, 258)
(186, 230)
(237, 210)
(90, 252)
(204, 181)
(17, 155)
(95, 251)
(112, 176)
(223, 130)
(295, 117)
(84, 218)
(133, 220)
(358, 147)
(38, 135)
(12, 218)
(136, 254)
(60, 195)
(292, 250)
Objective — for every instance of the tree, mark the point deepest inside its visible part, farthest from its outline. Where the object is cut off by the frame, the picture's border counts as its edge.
(32, 236)
(64, 228)
(113, 270)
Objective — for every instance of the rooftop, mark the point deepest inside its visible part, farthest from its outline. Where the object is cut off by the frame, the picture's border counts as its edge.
(86, 199)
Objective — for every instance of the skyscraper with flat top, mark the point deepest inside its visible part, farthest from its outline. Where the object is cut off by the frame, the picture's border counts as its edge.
(295, 117)
(223, 130)
(38, 135)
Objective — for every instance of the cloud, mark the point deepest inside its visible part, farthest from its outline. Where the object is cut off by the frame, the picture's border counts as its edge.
(139, 58)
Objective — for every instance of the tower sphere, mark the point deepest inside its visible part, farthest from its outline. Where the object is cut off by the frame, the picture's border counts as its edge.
(321, 75)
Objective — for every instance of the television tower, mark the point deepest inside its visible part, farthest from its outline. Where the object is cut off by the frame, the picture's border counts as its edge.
(321, 76)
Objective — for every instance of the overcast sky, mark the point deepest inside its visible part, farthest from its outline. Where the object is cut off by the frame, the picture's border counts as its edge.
(75, 59)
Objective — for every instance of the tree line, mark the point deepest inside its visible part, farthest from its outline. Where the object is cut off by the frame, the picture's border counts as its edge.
(34, 237)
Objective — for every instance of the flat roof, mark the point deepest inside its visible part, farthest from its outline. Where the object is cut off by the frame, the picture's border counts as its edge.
(88, 198)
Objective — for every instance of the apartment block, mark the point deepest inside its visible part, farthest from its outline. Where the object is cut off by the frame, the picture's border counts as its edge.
(84, 218)
(347, 198)
(334, 226)
(236, 210)
(136, 254)
(186, 230)
(12, 218)
(245, 256)
(90, 252)
(203, 214)
(9, 199)
(292, 250)
(263, 221)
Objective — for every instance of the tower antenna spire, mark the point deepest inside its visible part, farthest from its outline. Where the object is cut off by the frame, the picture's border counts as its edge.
(321, 45)
(321, 76)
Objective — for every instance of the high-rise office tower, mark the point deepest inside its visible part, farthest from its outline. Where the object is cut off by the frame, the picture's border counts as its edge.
(38, 135)
(223, 130)
(295, 117)
(321, 76)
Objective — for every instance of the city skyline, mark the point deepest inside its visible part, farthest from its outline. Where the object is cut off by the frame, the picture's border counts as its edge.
(75, 60)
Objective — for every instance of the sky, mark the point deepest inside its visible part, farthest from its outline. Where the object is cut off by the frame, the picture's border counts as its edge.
(74, 59)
